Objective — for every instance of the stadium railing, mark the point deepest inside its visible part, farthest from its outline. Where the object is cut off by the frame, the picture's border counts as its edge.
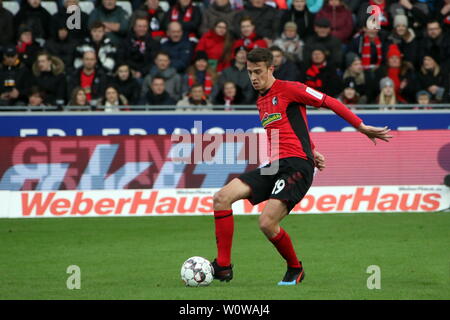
(213, 108)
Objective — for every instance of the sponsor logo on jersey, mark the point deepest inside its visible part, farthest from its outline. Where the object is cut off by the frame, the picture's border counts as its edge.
(269, 118)
(275, 101)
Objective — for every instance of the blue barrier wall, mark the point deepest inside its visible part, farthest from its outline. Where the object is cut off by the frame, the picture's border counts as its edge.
(123, 123)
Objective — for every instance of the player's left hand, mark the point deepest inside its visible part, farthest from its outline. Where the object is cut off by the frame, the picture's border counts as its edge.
(319, 159)
(374, 133)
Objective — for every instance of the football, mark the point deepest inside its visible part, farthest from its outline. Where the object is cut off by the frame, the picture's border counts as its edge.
(197, 271)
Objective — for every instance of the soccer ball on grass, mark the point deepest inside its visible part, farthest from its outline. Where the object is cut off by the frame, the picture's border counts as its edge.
(197, 271)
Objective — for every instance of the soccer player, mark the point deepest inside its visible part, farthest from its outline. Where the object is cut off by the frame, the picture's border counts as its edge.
(282, 110)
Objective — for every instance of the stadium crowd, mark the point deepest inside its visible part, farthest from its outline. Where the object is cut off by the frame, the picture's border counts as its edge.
(193, 54)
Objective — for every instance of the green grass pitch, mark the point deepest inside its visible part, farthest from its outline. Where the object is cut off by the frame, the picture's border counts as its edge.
(140, 258)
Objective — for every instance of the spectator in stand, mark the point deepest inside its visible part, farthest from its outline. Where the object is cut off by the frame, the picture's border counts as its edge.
(114, 18)
(237, 74)
(401, 73)
(27, 47)
(63, 18)
(178, 47)
(284, 69)
(172, 80)
(314, 5)
(416, 12)
(139, 49)
(443, 15)
(432, 79)
(290, 43)
(62, 46)
(36, 97)
(236, 5)
(49, 77)
(363, 79)
(436, 43)
(405, 39)
(35, 17)
(321, 75)
(383, 18)
(201, 73)
(217, 10)
(14, 80)
(153, 12)
(370, 46)
(248, 38)
(195, 100)
(188, 15)
(7, 26)
(103, 46)
(423, 99)
(127, 85)
(90, 77)
(340, 18)
(78, 99)
(387, 95)
(157, 94)
(112, 100)
(301, 16)
(229, 95)
(350, 96)
(322, 37)
(217, 44)
(267, 19)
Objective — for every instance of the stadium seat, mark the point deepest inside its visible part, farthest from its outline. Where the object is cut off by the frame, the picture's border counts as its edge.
(86, 6)
(11, 6)
(164, 5)
(50, 6)
(126, 5)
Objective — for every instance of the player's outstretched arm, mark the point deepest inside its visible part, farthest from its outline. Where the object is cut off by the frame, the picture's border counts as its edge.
(374, 133)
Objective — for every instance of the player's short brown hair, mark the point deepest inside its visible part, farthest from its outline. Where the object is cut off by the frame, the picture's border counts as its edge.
(261, 55)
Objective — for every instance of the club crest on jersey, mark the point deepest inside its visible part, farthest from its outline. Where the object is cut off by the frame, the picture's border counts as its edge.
(275, 101)
(269, 118)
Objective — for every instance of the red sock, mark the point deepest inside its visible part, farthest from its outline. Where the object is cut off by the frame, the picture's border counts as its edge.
(224, 222)
(283, 243)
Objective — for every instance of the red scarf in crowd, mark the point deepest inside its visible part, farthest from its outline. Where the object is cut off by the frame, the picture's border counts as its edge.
(158, 32)
(22, 46)
(312, 73)
(447, 19)
(174, 14)
(207, 84)
(140, 44)
(366, 52)
(394, 74)
(383, 15)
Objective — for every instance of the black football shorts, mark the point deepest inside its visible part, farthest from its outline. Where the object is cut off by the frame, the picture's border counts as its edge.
(289, 183)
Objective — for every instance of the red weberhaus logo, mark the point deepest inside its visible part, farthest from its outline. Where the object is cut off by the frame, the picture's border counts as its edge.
(160, 202)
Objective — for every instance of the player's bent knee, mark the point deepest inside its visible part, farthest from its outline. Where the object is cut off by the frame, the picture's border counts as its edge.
(268, 225)
(221, 200)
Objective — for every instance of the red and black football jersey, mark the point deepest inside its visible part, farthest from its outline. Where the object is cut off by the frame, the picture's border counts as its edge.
(282, 111)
